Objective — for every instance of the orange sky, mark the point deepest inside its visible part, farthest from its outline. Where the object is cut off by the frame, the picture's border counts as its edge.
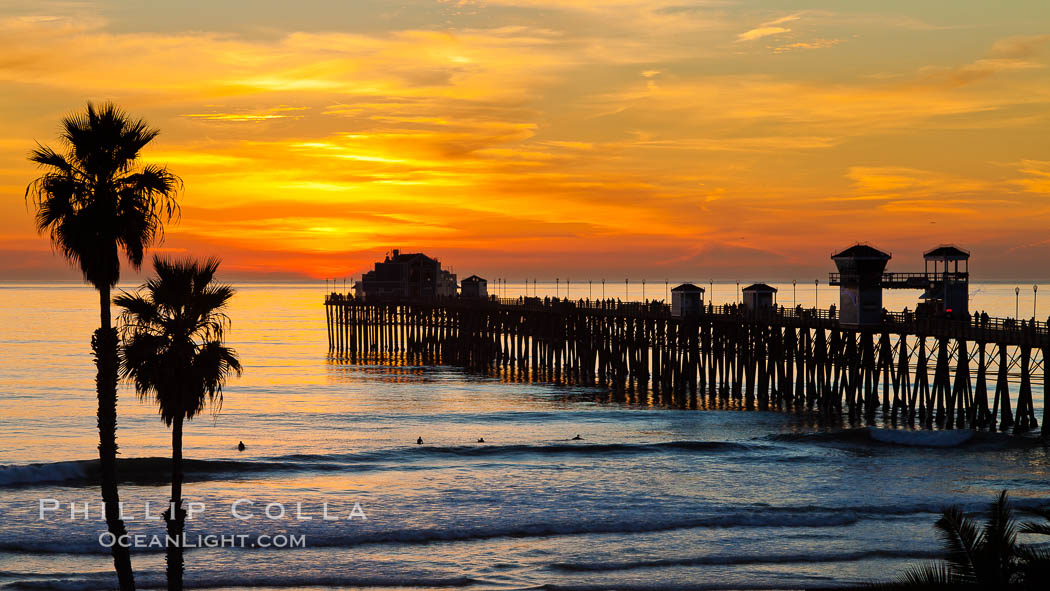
(540, 138)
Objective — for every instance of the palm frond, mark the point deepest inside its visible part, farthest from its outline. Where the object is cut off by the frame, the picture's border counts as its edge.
(213, 365)
(963, 540)
(1035, 527)
(929, 576)
(1041, 528)
(1001, 538)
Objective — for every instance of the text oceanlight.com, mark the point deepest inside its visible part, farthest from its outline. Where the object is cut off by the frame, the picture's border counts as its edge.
(141, 541)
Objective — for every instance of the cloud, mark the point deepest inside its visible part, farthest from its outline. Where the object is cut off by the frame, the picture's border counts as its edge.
(1006, 55)
(760, 32)
(897, 180)
(784, 19)
(769, 28)
(814, 44)
(1020, 47)
(279, 112)
(1037, 176)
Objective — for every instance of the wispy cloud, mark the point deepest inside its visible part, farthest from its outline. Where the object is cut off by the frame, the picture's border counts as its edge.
(814, 44)
(280, 112)
(768, 28)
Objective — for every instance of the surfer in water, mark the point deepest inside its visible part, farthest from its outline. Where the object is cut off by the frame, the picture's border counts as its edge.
(240, 446)
(419, 441)
(577, 438)
(481, 440)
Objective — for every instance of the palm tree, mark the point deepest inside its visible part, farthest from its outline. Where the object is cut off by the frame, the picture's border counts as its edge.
(95, 202)
(988, 557)
(173, 330)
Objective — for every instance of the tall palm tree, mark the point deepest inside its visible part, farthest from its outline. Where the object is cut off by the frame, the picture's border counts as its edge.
(173, 331)
(95, 201)
(988, 557)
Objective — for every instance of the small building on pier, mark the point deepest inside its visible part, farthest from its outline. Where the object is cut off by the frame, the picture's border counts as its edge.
(860, 284)
(407, 276)
(759, 295)
(948, 289)
(687, 300)
(474, 287)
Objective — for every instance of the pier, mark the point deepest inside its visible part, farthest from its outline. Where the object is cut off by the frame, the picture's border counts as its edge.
(905, 369)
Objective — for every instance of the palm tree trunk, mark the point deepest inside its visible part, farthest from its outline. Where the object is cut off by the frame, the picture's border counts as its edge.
(104, 346)
(176, 523)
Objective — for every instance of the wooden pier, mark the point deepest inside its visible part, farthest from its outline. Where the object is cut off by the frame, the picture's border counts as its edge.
(907, 370)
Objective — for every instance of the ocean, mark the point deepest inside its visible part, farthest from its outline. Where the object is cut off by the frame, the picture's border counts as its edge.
(333, 491)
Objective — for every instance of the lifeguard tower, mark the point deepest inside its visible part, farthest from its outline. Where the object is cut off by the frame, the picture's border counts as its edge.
(948, 291)
(687, 300)
(860, 283)
(759, 295)
(474, 287)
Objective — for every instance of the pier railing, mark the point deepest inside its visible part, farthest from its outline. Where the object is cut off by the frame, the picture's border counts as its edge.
(903, 280)
(990, 329)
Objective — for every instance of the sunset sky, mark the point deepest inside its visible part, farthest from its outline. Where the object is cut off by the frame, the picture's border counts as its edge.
(538, 138)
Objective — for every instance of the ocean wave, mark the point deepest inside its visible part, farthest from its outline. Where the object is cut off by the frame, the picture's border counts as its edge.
(157, 470)
(980, 441)
(774, 519)
(148, 470)
(811, 582)
(741, 560)
(92, 581)
(50, 472)
(745, 517)
(553, 448)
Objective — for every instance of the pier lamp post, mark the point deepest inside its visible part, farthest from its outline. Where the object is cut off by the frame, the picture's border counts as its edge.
(793, 302)
(738, 291)
(643, 290)
(626, 289)
(711, 295)
(603, 289)
(589, 282)
(816, 294)
(1035, 296)
(1017, 302)
(568, 284)
(557, 288)
(667, 292)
